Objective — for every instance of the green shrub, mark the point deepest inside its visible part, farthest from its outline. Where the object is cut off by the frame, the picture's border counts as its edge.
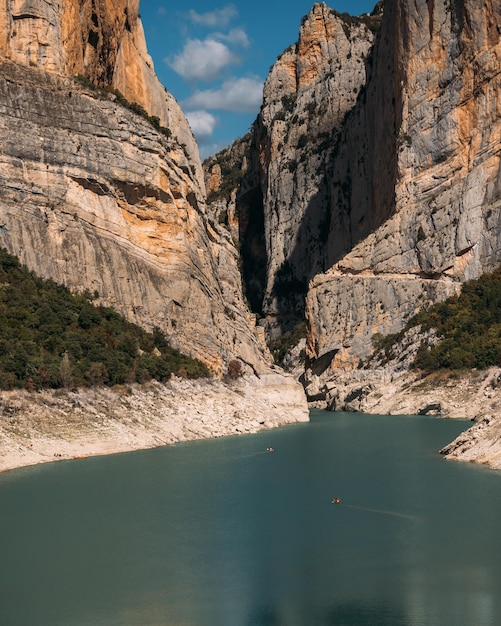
(468, 325)
(288, 102)
(50, 338)
(281, 346)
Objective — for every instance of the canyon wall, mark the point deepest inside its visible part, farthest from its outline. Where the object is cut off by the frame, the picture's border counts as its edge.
(102, 40)
(101, 186)
(298, 209)
(374, 165)
(405, 205)
(309, 91)
(444, 227)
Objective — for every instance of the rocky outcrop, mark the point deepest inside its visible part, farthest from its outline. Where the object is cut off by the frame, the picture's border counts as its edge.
(107, 196)
(308, 95)
(102, 40)
(383, 391)
(443, 224)
(479, 444)
(223, 174)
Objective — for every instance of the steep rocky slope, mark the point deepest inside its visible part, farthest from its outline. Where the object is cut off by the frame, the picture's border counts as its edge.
(375, 166)
(288, 214)
(101, 197)
(443, 225)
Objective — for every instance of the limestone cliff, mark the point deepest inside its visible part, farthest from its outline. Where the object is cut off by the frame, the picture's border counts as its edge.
(288, 214)
(102, 40)
(374, 165)
(443, 225)
(308, 94)
(99, 197)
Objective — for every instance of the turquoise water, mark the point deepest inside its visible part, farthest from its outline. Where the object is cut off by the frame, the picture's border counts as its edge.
(223, 533)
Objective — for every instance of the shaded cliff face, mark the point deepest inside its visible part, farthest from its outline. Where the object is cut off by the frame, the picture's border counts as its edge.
(444, 228)
(308, 95)
(375, 165)
(95, 196)
(235, 200)
(295, 197)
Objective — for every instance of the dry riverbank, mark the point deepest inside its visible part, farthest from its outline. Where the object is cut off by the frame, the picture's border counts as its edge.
(53, 425)
(474, 396)
(48, 426)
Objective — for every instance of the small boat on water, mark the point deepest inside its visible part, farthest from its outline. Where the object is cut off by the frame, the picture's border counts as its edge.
(336, 501)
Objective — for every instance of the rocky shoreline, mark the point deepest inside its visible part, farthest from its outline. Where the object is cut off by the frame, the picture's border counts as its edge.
(474, 396)
(47, 426)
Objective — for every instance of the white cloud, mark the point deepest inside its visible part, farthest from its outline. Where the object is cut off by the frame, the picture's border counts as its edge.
(236, 36)
(219, 18)
(202, 60)
(202, 123)
(237, 95)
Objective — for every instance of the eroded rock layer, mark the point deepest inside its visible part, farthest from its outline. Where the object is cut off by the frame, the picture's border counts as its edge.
(102, 40)
(107, 199)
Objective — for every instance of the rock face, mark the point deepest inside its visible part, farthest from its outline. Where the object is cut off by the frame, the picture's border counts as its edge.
(102, 40)
(376, 158)
(378, 165)
(308, 94)
(289, 223)
(444, 225)
(100, 198)
(235, 199)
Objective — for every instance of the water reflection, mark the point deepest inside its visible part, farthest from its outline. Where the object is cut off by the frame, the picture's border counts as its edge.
(348, 613)
(265, 616)
(354, 613)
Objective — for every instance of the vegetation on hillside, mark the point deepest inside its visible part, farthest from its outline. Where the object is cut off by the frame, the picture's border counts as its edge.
(281, 346)
(50, 338)
(468, 327)
(232, 170)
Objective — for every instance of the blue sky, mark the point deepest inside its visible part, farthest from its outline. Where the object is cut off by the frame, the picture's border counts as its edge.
(214, 56)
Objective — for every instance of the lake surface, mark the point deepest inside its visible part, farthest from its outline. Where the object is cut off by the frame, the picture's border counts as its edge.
(224, 533)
